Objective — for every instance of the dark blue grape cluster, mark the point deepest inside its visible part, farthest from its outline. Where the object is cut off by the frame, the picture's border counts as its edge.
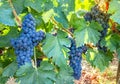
(76, 58)
(25, 43)
(102, 18)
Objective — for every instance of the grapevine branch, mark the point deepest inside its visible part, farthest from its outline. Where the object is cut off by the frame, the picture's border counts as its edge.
(15, 13)
(63, 29)
(113, 28)
(39, 48)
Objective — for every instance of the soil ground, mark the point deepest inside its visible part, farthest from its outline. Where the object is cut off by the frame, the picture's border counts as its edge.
(92, 75)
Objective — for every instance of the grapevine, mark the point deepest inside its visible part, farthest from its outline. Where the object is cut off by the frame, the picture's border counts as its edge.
(47, 41)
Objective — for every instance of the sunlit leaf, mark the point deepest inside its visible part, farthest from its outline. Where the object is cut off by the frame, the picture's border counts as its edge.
(54, 47)
(99, 59)
(87, 33)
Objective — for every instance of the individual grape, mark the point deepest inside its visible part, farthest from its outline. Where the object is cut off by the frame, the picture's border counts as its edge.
(38, 62)
(76, 58)
(88, 16)
(25, 43)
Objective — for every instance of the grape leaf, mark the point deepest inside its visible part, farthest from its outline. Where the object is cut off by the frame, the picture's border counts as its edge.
(65, 76)
(6, 15)
(114, 6)
(18, 5)
(5, 40)
(42, 75)
(61, 17)
(3, 79)
(54, 47)
(87, 33)
(47, 15)
(35, 4)
(99, 59)
(115, 17)
(112, 41)
(1, 69)
(39, 5)
(67, 6)
(75, 21)
(10, 70)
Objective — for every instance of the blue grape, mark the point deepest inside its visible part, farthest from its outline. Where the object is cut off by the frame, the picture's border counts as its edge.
(76, 58)
(38, 62)
(27, 40)
(88, 17)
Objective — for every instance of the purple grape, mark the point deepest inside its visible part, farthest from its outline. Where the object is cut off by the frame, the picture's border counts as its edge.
(27, 40)
(76, 58)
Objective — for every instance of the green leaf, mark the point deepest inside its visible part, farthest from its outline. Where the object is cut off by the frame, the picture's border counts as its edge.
(54, 47)
(42, 75)
(39, 5)
(1, 70)
(114, 6)
(10, 70)
(35, 4)
(18, 5)
(115, 17)
(65, 76)
(5, 40)
(99, 59)
(112, 41)
(67, 6)
(3, 80)
(6, 15)
(47, 15)
(61, 17)
(114, 9)
(75, 21)
(87, 33)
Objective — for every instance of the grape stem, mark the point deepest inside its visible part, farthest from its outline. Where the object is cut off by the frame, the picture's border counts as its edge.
(35, 58)
(39, 48)
(63, 29)
(15, 13)
(113, 27)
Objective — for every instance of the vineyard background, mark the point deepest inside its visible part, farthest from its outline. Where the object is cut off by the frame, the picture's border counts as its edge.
(69, 31)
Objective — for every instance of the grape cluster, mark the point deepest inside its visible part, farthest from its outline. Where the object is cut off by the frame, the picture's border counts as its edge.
(25, 43)
(76, 58)
(102, 18)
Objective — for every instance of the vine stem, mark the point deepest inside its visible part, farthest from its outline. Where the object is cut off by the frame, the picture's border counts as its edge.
(63, 29)
(39, 48)
(35, 58)
(113, 28)
(15, 13)
(118, 74)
